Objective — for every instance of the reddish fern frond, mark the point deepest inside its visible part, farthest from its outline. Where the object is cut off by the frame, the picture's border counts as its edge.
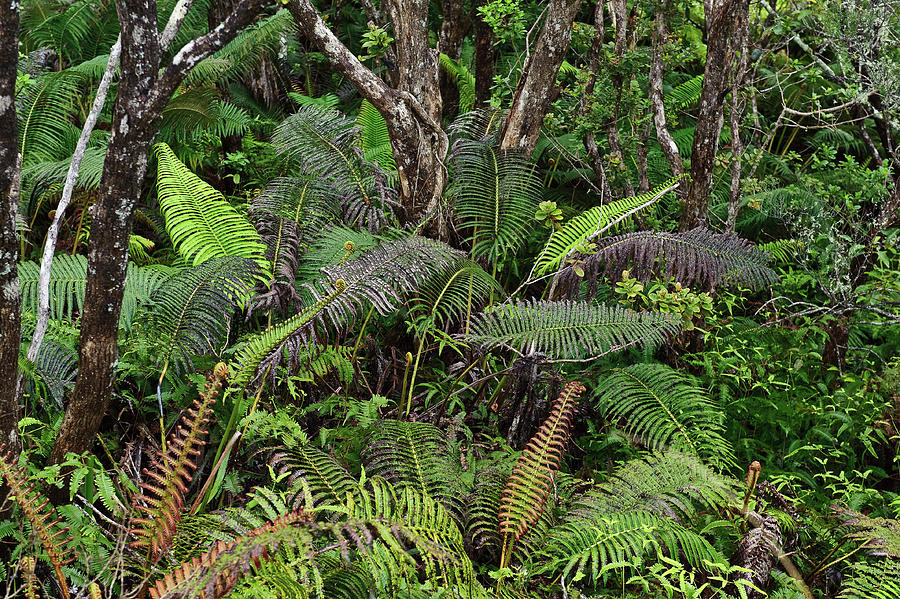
(40, 514)
(526, 490)
(254, 548)
(162, 496)
(31, 582)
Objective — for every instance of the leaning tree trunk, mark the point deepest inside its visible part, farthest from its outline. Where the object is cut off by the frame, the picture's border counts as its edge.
(143, 93)
(721, 17)
(10, 298)
(412, 111)
(537, 86)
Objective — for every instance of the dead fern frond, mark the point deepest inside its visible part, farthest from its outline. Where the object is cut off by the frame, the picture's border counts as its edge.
(40, 514)
(526, 490)
(202, 578)
(163, 493)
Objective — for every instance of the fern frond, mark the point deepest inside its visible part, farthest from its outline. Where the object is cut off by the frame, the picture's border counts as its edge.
(374, 138)
(878, 580)
(483, 513)
(526, 490)
(328, 482)
(44, 521)
(43, 109)
(329, 247)
(162, 497)
(416, 454)
(496, 196)
(881, 535)
(587, 224)
(684, 94)
(452, 296)
(663, 408)
(693, 257)
(191, 314)
(201, 224)
(53, 371)
(569, 330)
(482, 125)
(464, 79)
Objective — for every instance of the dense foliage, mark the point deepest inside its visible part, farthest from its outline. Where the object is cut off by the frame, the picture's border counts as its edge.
(545, 383)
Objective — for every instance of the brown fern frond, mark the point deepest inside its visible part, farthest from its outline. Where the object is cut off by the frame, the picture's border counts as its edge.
(219, 582)
(162, 496)
(40, 514)
(526, 490)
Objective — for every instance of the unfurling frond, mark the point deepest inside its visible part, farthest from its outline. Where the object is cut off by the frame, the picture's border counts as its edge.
(697, 256)
(662, 408)
(526, 490)
(416, 454)
(201, 224)
(192, 312)
(586, 225)
(162, 496)
(569, 329)
(44, 521)
(496, 194)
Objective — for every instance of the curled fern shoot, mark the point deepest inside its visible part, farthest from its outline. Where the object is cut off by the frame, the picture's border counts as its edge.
(162, 496)
(44, 521)
(526, 490)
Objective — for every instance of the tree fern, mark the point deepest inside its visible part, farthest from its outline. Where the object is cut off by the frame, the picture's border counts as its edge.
(568, 330)
(662, 409)
(496, 194)
(586, 225)
(201, 224)
(526, 490)
(416, 454)
(694, 257)
(191, 314)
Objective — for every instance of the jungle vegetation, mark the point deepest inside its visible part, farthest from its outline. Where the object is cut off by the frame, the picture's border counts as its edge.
(450, 299)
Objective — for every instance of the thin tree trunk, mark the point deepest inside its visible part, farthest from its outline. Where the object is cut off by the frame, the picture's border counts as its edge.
(666, 142)
(721, 19)
(485, 56)
(412, 111)
(143, 93)
(616, 152)
(590, 138)
(738, 105)
(10, 169)
(537, 86)
(454, 24)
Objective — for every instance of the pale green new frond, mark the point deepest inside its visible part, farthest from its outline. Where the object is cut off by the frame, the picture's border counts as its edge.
(201, 224)
(662, 408)
(569, 330)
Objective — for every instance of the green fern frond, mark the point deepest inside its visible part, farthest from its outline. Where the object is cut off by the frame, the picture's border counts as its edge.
(329, 247)
(328, 482)
(526, 490)
(684, 94)
(374, 138)
(43, 111)
(587, 224)
(201, 224)
(53, 371)
(483, 513)
(416, 454)
(162, 496)
(452, 296)
(783, 250)
(881, 535)
(46, 174)
(877, 580)
(697, 256)
(191, 313)
(482, 125)
(496, 195)
(662, 408)
(569, 330)
(464, 80)
(201, 109)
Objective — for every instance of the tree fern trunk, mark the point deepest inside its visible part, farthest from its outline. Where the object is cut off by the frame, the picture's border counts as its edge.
(10, 298)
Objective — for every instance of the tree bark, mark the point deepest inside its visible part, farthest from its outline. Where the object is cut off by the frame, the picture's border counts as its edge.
(412, 111)
(143, 93)
(666, 142)
(738, 105)
(10, 297)
(485, 56)
(616, 152)
(722, 18)
(537, 86)
(454, 25)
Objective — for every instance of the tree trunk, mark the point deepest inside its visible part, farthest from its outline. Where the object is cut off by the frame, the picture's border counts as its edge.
(722, 17)
(485, 56)
(587, 101)
(143, 93)
(454, 25)
(669, 148)
(537, 86)
(738, 105)
(10, 298)
(412, 111)
(616, 152)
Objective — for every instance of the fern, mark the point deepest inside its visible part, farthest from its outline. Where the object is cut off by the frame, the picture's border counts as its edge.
(374, 138)
(327, 481)
(663, 409)
(44, 521)
(43, 109)
(694, 257)
(416, 454)
(568, 330)
(464, 80)
(586, 225)
(684, 95)
(452, 296)
(879, 580)
(201, 109)
(526, 490)
(496, 195)
(53, 371)
(162, 499)
(191, 314)
(483, 513)
(201, 224)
